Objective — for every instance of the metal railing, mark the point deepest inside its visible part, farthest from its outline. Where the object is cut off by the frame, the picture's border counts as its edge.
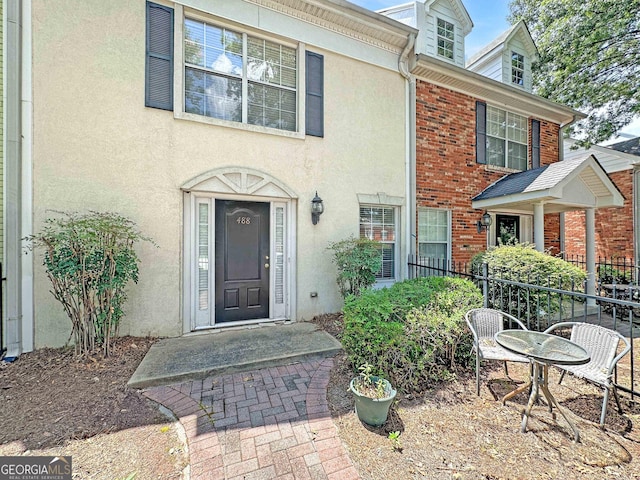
(541, 302)
(609, 270)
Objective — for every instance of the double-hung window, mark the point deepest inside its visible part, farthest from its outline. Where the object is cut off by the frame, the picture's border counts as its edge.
(446, 38)
(379, 223)
(507, 136)
(234, 76)
(517, 69)
(433, 233)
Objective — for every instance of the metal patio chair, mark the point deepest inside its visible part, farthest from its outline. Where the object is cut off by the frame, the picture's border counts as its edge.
(602, 345)
(484, 323)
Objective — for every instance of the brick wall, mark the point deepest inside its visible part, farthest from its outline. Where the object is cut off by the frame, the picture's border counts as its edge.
(447, 175)
(614, 226)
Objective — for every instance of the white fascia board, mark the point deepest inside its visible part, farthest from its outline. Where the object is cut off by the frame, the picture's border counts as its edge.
(497, 93)
(610, 201)
(489, 57)
(590, 163)
(630, 159)
(599, 171)
(333, 25)
(506, 200)
(395, 8)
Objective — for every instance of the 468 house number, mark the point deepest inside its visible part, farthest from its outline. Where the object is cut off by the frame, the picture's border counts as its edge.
(243, 220)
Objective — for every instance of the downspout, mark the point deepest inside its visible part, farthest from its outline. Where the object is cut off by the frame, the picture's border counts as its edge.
(410, 157)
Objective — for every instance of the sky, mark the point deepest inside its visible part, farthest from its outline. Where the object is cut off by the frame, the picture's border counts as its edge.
(489, 21)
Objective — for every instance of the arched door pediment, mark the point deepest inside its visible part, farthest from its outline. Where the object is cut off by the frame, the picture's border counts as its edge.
(240, 181)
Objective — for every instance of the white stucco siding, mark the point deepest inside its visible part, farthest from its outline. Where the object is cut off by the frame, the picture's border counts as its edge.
(96, 146)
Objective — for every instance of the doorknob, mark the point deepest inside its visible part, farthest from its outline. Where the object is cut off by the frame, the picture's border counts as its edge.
(266, 265)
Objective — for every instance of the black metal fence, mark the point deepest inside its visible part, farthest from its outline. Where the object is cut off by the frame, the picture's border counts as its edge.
(610, 270)
(541, 302)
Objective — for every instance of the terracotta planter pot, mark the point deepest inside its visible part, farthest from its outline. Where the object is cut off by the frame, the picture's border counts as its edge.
(373, 411)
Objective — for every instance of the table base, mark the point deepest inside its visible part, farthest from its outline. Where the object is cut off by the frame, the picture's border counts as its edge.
(539, 381)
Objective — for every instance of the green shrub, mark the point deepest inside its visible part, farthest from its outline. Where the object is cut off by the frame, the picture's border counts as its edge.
(358, 260)
(413, 333)
(610, 274)
(522, 263)
(90, 258)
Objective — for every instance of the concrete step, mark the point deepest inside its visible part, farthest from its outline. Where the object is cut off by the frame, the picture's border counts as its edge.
(218, 352)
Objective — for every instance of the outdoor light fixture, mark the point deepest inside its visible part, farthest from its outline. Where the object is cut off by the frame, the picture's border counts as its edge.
(316, 209)
(485, 222)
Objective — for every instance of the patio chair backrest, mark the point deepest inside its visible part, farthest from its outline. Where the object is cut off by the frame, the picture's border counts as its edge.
(600, 342)
(486, 322)
(602, 345)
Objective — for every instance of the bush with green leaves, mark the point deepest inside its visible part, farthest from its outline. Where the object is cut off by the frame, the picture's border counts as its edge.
(611, 274)
(357, 260)
(523, 263)
(413, 333)
(89, 259)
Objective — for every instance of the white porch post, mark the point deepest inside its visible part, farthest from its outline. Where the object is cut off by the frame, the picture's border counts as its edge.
(538, 226)
(590, 247)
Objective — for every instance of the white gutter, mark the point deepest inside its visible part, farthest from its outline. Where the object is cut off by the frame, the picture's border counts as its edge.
(26, 105)
(476, 85)
(410, 157)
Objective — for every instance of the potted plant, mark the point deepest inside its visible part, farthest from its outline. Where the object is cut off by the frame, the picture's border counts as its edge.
(373, 395)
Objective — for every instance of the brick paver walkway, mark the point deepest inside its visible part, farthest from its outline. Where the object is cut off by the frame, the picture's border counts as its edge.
(265, 424)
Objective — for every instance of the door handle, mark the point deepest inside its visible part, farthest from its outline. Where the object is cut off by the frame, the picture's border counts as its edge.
(266, 265)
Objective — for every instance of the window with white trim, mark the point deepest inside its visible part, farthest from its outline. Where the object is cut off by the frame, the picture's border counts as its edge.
(379, 223)
(434, 233)
(517, 69)
(507, 137)
(446, 38)
(231, 75)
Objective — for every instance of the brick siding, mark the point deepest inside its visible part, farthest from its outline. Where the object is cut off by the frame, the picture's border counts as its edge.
(614, 226)
(447, 175)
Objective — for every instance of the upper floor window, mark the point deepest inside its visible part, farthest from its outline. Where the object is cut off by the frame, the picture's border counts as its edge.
(517, 69)
(379, 223)
(234, 76)
(507, 136)
(445, 39)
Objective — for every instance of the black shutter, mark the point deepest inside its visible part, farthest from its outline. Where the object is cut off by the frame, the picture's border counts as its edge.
(314, 100)
(535, 143)
(159, 57)
(481, 132)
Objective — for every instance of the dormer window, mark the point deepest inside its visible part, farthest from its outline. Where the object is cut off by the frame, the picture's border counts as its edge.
(517, 69)
(445, 39)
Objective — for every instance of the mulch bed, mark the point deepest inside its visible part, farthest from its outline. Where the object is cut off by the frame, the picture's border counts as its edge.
(50, 396)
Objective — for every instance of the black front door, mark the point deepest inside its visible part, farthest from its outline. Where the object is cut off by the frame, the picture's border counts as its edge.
(242, 260)
(507, 229)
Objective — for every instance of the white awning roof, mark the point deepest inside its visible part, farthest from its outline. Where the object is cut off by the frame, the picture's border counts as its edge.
(575, 184)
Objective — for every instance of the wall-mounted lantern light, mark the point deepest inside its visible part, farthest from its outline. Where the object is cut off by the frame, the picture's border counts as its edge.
(316, 209)
(484, 223)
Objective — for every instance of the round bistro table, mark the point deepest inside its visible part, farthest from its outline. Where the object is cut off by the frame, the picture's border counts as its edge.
(542, 349)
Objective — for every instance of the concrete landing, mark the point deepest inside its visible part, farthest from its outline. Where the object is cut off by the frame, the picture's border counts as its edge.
(197, 356)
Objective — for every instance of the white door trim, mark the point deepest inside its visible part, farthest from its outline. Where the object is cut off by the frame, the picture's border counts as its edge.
(240, 184)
